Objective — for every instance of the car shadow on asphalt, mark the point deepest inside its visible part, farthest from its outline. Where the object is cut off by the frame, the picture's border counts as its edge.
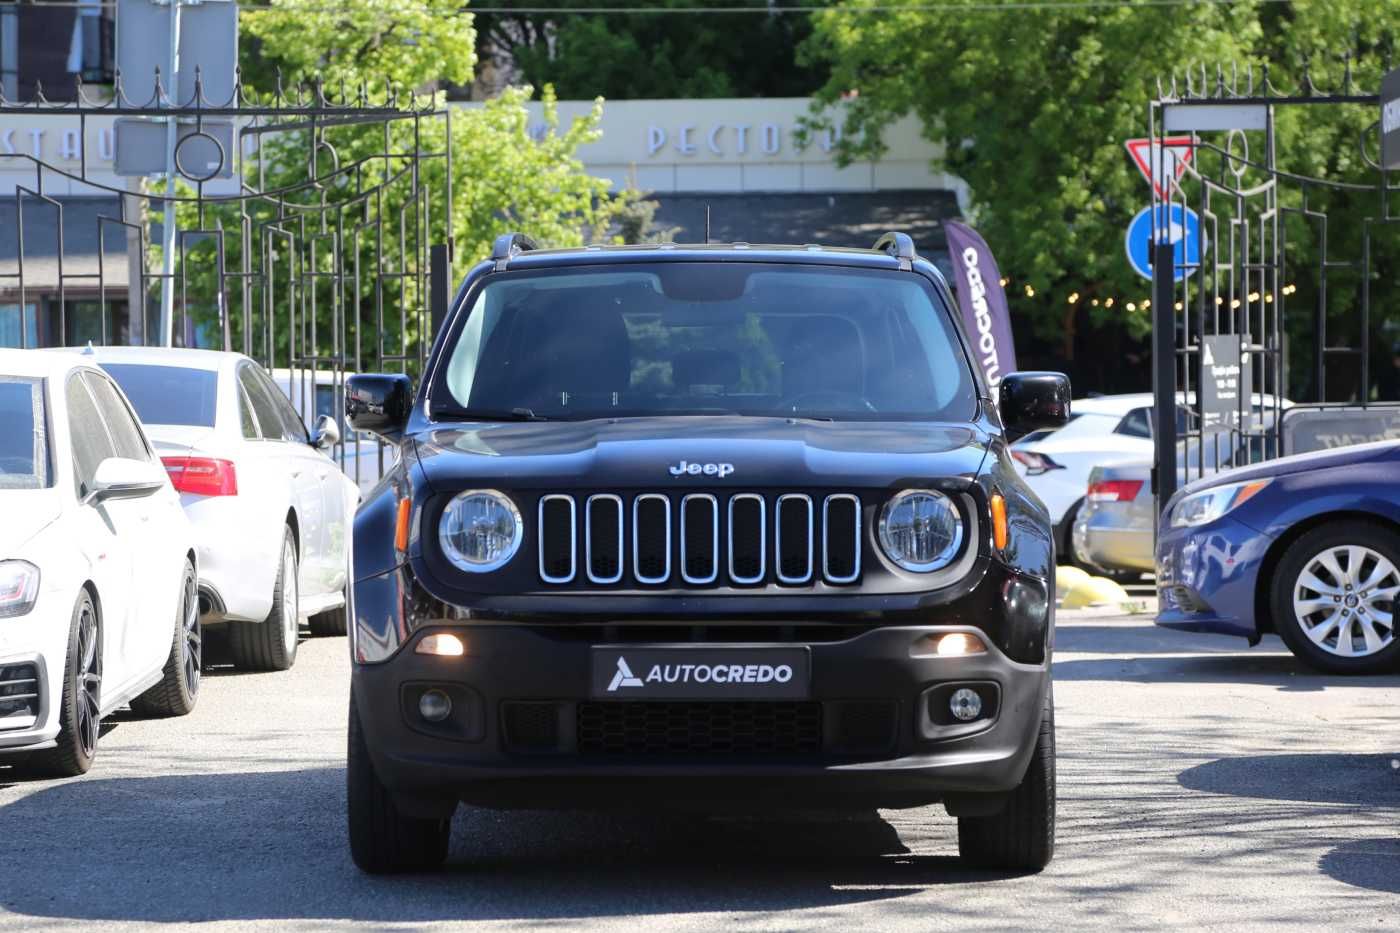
(1279, 670)
(1369, 783)
(272, 845)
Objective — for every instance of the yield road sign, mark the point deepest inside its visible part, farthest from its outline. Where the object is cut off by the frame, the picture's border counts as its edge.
(1162, 161)
(1176, 225)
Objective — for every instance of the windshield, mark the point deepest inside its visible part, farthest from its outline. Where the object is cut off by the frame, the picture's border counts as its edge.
(168, 394)
(24, 444)
(708, 338)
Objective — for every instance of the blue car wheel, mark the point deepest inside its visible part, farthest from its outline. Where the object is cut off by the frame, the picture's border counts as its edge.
(1333, 598)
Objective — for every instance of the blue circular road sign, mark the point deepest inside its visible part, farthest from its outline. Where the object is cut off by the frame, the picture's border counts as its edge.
(1176, 225)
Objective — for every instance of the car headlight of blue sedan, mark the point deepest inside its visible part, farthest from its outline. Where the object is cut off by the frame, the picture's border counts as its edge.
(1210, 504)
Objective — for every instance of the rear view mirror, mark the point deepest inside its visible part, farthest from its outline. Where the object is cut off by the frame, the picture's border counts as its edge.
(379, 403)
(327, 433)
(120, 478)
(1030, 401)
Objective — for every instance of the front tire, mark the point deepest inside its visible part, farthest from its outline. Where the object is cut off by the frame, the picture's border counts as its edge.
(271, 645)
(1333, 598)
(1022, 836)
(178, 689)
(382, 840)
(79, 713)
(329, 623)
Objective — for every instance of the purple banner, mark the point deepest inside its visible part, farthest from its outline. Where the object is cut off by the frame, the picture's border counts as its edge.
(983, 302)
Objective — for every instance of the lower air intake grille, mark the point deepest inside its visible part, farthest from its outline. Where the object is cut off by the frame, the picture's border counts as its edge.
(19, 696)
(699, 728)
(531, 726)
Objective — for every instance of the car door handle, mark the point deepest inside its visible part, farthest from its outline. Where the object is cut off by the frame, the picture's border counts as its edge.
(323, 473)
(296, 473)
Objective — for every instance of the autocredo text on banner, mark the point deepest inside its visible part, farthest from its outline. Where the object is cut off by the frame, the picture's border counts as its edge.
(983, 301)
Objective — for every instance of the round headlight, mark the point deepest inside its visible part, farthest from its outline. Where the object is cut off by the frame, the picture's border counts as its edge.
(921, 530)
(480, 530)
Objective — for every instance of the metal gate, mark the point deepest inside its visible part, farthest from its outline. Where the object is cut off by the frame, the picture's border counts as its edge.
(1267, 319)
(312, 233)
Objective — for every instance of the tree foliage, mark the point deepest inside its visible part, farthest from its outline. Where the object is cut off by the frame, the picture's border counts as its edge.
(1032, 108)
(509, 170)
(653, 55)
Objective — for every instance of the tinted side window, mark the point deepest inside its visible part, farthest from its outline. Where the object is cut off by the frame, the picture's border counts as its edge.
(1136, 423)
(91, 443)
(292, 428)
(264, 405)
(245, 415)
(126, 434)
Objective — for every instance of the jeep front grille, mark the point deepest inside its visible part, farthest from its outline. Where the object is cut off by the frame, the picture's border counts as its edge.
(700, 539)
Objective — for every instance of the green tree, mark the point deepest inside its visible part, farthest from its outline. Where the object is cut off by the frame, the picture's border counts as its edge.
(653, 55)
(1032, 106)
(509, 171)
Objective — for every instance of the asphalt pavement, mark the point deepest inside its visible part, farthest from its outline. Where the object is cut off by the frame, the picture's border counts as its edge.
(1202, 783)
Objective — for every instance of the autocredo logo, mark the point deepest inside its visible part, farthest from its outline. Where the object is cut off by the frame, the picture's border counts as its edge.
(700, 674)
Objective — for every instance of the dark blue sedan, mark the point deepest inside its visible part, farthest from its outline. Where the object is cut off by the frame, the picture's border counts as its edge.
(1305, 546)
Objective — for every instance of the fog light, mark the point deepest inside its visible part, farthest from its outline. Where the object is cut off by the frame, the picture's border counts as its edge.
(435, 706)
(965, 704)
(958, 644)
(442, 644)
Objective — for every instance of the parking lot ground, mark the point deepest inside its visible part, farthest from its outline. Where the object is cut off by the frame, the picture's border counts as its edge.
(1202, 783)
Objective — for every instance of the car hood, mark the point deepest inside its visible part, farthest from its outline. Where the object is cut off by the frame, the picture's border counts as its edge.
(744, 452)
(1301, 463)
(27, 512)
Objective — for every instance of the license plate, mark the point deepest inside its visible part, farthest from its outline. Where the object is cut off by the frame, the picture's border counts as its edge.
(700, 672)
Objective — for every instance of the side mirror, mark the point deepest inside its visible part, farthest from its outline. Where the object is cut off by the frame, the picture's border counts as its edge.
(327, 433)
(379, 403)
(119, 478)
(1031, 401)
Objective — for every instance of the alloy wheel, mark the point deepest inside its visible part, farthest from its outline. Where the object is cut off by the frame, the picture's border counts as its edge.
(1344, 600)
(191, 643)
(87, 681)
(291, 622)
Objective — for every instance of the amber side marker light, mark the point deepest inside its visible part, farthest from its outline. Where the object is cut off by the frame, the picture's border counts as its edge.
(401, 524)
(999, 536)
(442, 644)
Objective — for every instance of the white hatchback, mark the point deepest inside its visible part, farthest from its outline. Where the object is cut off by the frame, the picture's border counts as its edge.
(271, 510)
(98, 600)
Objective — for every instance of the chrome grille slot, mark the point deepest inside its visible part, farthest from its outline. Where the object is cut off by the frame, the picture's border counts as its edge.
(651, 538)
(699, 538)
(558, 539)
(748, 538)
(603, 538)
(841, 538)
(793, 538)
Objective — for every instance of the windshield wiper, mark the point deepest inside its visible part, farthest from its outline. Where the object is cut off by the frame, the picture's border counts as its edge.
(482, 414)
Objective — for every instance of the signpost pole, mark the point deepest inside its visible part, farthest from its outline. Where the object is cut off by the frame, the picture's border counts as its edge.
(167, 281)
(1164, 373)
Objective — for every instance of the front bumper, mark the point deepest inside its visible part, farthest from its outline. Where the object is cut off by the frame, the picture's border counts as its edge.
(903, 759)
(1207, 578)
(27, 724)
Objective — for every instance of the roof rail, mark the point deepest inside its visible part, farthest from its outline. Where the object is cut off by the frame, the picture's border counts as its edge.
(508, 246)
(898, 245)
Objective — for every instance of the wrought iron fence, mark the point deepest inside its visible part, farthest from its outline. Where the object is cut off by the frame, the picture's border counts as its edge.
(311, 230)
(1280, 314)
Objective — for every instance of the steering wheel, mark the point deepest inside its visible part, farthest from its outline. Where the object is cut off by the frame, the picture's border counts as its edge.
(831, 399)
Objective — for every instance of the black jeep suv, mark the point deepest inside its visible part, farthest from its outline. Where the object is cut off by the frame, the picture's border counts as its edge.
(716, 526)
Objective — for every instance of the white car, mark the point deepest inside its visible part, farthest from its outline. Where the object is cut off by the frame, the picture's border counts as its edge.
(98, 562)
(319, 394)
(271, 511)
(1103, 431)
